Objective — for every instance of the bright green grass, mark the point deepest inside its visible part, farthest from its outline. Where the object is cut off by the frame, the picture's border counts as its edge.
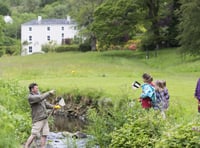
(109, 72)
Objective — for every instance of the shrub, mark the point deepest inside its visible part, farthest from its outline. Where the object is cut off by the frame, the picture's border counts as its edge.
(8, 139)
(85, 47)
(10, 50)
(184, 135)
(1, 52)
(132, 44)
(141, 132)
(16, 111)
(108, 118)
(49, 47)
(66, 48)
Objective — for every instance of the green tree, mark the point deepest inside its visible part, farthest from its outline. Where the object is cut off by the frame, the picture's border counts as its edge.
(4, 10)
(161, 23)
(114, 21)
(172, 27)
(55, 10)
(151, 21)
(2, 24)
(83, 12)
(30, 5)
(189, 27)
(2, 37)
(45, 2)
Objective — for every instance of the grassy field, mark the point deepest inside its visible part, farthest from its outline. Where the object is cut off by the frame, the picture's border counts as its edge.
(110, 73)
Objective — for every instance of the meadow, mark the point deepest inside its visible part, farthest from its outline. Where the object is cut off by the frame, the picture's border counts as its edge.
(108, 74)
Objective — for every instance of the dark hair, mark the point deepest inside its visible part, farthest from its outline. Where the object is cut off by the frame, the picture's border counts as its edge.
(32, 85)
(147, 77)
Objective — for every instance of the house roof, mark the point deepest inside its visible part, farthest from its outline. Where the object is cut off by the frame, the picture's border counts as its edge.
(49, 22)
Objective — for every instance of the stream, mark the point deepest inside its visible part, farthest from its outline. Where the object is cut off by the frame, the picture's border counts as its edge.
(68, 134)
(69, 124)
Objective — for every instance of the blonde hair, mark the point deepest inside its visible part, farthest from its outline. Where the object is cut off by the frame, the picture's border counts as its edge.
(160, 85)
(164, 83)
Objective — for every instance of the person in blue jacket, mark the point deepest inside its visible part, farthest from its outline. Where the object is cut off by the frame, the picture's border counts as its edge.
(147, 96)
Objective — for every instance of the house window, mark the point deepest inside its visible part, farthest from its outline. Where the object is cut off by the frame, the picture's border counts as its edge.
(30, 38)
(30, 49)
(63, 28)
(30, 28)
(48, 28)
(48, 38)
(62, 35)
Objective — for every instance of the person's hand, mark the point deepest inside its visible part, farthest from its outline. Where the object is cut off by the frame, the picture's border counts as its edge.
(139, 100)
(52, 92)
(57, 107)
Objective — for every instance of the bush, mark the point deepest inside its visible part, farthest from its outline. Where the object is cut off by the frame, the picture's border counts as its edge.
(8, 139)
(49, 47)
(66, 48)
(16, 113)
(186, 135)
(10, 50)
(85, 47)
(132, 44)
(108, 118)
(142, 132)
(1, 53)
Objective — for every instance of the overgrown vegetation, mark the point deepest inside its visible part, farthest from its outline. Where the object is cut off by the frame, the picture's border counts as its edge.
(129, 126)
(15, 122)
(106, 77)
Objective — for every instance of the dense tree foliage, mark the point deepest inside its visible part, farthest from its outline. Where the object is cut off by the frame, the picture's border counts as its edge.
(45, 2)
(189, 27)
(55, 10)
(161, 23)
(4, 10)
(1, 31)
(172, 28)
(114, 21)
(83, 12)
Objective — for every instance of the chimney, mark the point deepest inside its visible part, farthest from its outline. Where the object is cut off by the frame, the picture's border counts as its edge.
(68, 19)
(39, 19)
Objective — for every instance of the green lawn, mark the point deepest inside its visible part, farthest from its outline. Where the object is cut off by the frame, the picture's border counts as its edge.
(109, 72)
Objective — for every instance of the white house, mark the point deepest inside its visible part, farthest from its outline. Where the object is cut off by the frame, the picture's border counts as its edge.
(8, 19)
(40, 32)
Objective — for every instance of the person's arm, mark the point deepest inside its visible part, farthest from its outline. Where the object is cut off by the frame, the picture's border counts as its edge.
(197, 90)
(166, 94)
(48, 105)
(40, 97)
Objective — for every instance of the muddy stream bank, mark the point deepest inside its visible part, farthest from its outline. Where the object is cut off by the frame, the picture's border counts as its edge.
(67, 124)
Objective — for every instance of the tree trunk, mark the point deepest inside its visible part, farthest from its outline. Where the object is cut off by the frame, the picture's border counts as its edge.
(93, 42)
(153, 6)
